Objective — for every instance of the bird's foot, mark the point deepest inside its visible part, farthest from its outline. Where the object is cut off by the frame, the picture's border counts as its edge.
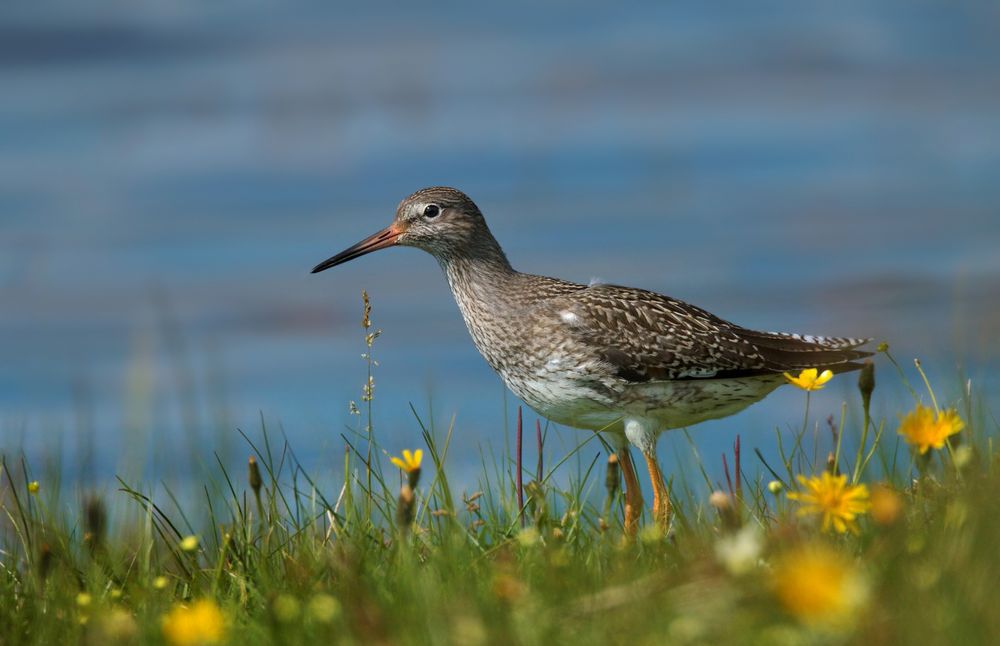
(661, 494)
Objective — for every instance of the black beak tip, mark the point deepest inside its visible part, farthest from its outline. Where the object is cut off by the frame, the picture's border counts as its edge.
(326, 264)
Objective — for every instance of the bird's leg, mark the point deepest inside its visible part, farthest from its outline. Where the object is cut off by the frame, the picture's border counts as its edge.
(661, 495)
(633, 494)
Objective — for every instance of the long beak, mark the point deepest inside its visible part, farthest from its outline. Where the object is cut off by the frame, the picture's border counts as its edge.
(384, 238)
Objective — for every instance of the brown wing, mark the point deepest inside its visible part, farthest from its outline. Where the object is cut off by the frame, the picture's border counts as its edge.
(646, 336)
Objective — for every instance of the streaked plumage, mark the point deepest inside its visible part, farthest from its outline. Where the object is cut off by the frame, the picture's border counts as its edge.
(600, 357)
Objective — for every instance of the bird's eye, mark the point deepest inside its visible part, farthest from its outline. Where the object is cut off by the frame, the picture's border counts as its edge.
(431, 211)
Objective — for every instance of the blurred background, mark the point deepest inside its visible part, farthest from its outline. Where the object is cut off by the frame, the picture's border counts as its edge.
(169, 173)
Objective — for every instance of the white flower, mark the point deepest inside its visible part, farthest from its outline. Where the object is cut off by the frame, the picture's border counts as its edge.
(739, 552)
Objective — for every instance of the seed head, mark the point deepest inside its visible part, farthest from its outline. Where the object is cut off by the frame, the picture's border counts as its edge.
(253, 475)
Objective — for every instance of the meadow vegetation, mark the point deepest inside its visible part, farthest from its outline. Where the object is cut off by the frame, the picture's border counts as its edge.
(890, 537)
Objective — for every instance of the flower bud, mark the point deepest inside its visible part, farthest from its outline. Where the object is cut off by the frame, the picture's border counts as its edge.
(95, 520)
(253, 475)
(866, 382)
(613, 476)
(728, 512)
(720, 500)
(405, 508)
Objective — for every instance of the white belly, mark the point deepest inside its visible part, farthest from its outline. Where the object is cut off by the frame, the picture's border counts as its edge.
(671, 404)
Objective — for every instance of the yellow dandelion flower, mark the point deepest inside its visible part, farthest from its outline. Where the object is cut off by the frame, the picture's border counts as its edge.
(810, 379)
(818, 585)
(410, 462)
(33, 486)
(925, 429)
(189, 543)
(161, 582)
(831, 496)
(199, 624)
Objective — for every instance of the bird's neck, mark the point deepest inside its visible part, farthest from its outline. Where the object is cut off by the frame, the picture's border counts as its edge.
(483, 274)
(485, 289)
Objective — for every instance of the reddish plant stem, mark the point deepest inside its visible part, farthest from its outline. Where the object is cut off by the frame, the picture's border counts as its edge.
(729, 482)
(540, 442)
(736, 453)
(520, 470)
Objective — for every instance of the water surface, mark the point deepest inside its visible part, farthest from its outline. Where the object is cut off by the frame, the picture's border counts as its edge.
(168, 176)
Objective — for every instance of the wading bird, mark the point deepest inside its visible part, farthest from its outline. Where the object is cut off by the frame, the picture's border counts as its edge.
(623, 361)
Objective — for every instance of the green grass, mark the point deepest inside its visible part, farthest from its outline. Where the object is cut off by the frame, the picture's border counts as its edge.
(295, 562)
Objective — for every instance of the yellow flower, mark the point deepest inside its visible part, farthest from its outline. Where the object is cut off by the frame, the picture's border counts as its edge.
(831, 496)
(808, 379)
(189, 543)
(324, 608)
(33, 486)
(84, 599)
(196, 625)
(286, 608)
(410, 461)
(925, 429)
(818, 585)
(161, 582)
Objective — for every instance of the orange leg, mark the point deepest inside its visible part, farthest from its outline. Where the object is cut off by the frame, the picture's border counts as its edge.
(633, 494)
(661, 495)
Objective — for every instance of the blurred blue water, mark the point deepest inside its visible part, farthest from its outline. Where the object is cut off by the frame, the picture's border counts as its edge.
(168, 175)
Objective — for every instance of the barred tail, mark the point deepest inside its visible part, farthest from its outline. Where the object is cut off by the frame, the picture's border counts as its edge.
(787, 351)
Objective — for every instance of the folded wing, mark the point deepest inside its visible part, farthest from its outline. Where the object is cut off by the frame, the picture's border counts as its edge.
(644, 336)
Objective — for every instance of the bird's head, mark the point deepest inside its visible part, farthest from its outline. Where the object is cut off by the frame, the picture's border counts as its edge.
(440, 220)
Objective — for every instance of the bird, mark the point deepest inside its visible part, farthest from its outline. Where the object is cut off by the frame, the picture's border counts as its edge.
(625, 362)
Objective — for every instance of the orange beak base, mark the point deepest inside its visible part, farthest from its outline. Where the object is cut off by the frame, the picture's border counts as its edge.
(387, 237)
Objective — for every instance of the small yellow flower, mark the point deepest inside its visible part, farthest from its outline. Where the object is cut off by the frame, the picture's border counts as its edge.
(33, 486)
(818, 585)
(84, 599)
(775, 487)
(200, 624)
(324, 608)
(831, 496)
(189, 543)
(286, 608)
(925, 429)
(810, 379)
(161, 582)
(529, 536)
(410, 461)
